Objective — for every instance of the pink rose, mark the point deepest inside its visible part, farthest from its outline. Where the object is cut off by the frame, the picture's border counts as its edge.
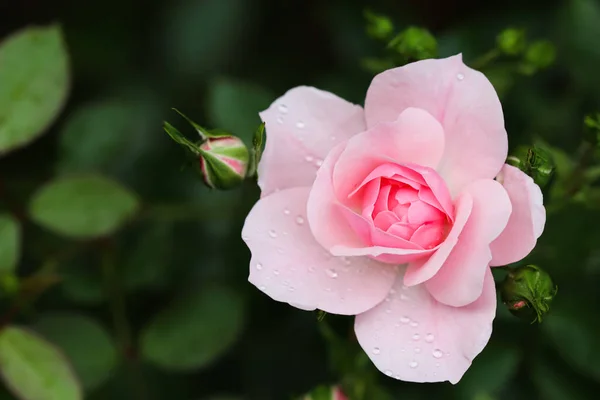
(394, 213)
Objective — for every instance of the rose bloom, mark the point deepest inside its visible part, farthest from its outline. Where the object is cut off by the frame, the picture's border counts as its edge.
(394, 213)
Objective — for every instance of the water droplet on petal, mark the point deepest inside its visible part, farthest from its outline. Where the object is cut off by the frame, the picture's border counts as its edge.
(333, 138)
(299, 220)
(405, 320)
(437, 364)
(429, 338)
(332, 273)
(286, 211)
(283, 108)
(414, 324)
(413, 364)
(404, 297)
(272, 233)
(328, 289)
(309, 158)
(300, 125)
(319, 162)
(291, 288)
(437, 353)
(279, 120)
(388, 372)
(376, 350)
(275, 272)
(311, 269)
(259, 266)
(262, 288)
(416, 337)
(460, 76)
(417, 350)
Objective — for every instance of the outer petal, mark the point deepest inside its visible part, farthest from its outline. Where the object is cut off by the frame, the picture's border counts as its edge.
(412, 337)
(422, 270)
(290, 266)
(415, 137)
(302, 127)
(464, 102)
(460, 279)
(526, 222)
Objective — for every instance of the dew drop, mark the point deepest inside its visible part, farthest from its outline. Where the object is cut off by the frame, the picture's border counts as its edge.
(416, 337)
(392, 291)
(404, 297)
(259, 266)
(460, 76)
(311, 269)
(376, 350)
(272, 233)
(388, 372)
(429, 338)
(300, 125)
(332, 273)
(413, 364)
(405, 320)
(279, 120)
(299, 220)
(319, 162)
(286, 211)
(333, 138)
(291, 288)
(309, 158)
(283, 108)
(328, 289)
(263, 288)
(417, 350)
(437, 353)
(275, 272)
(414, 324)
(437, 364)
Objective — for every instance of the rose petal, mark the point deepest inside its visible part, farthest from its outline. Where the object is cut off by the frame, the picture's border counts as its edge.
(302, 127)
(460, 279)
(465, 103)
(290, 266)
(421, 270)
(412, 337)
(414, 137)
(526, 222)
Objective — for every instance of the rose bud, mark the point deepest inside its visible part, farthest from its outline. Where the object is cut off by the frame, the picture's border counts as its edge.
(223, 158)
(535, 162)
(223, 161)
(527, 292)
(326, 393)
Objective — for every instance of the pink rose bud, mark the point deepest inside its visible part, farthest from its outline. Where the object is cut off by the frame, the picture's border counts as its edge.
(223, 158)
(326, 393)
(223, 161)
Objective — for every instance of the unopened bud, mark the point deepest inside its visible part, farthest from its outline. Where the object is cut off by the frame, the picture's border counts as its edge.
(511, 41)
(539, 55)
(527, 292)
(223, 162)
(415, 44)
(222, 158)
(535, 162)
(326, 393)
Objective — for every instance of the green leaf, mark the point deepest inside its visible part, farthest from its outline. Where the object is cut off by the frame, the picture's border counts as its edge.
(34, 369)
(85, 342)
(34, 81)
(234, 106)
(10, 243)
(195, 330)
(109, 135)
(85, 206)
(491, 371)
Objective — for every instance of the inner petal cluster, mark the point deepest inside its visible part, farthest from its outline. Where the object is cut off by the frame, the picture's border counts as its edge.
(397, 200)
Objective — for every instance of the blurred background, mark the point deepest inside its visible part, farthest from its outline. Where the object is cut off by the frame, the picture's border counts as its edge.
(117, 255)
